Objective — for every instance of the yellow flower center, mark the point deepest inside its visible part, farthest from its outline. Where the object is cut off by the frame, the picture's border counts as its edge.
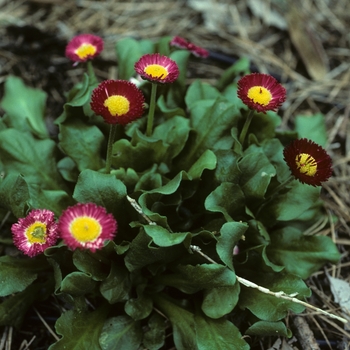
(260, 95)
(85, 50)
(85, 229)
(306, 164)
(36, 233)
(117, 105)
(156, 71)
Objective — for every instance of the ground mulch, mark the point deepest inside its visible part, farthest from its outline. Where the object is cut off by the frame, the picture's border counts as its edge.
(305, 44)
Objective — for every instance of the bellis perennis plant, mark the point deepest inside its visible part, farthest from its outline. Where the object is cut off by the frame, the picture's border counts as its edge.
(161, 208)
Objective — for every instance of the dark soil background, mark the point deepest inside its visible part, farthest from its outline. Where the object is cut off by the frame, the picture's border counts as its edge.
(305, 44)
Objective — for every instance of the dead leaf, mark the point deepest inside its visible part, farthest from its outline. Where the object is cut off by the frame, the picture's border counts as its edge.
(269, 16)
(341, 293)
(307, 42)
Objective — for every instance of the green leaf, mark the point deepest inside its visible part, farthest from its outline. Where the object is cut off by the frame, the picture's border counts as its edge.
(82, 143)
(227, 169)
(78, 97)
(15, 275)
(182, 321)
(163, 238)
(206, 161)
(35, 159)
(267, 307)
(14, 194)
(200, 91)
(115, 288)
(291, 204)
(121, 332)
(218, 334)
(24, 107)
(230, 234)
(77, 284)
(79, 330)
(140, 254)
(227, 199)
(241, 66)
(266, 329)
(256, 172)
(153, 338)
(174, 132)
(14, 308)
(273, 149)
(301, 255)
(263, 125)
(312, 127)
(139, 308)
(129, 51)
(190, 279)
(140, 153)
(212, 121)
(68, 169)
(228, 297)
(103, 189)
(90, 265)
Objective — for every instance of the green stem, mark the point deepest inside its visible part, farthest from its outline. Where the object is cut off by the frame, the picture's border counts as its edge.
(112, 132)
(91, 73)
(246, 126)
(152, 107)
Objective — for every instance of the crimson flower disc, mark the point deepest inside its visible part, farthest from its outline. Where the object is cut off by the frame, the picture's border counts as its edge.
(182, 43)
(84, 47)
(36, 232)
(308, 162)
(118, 101)
(86, 226)
(157, 68)
(261, 92)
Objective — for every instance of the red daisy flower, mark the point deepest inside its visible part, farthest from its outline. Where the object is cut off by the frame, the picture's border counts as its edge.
(118, 101)
(182, 43)
(36, 232)
(261, 92)
(86, 226)
(157, 68)
(84, 47)
(308, 162)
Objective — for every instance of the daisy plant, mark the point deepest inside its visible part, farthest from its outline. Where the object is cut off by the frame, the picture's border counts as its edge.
(157, 69)
(195, 231)
(261, 93)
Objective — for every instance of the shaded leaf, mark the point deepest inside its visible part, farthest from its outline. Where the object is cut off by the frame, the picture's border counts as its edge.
(79, 330)
(24, 107)
(266, 328)
(82, 143)
(121, 332)
(301, 255)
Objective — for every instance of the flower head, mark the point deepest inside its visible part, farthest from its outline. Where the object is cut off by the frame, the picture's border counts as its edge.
(308, 162)
(261, 92)
(86, 226)
(182, 43)
(118, 101)
(84, 47)
(157, 68)
(36, 232)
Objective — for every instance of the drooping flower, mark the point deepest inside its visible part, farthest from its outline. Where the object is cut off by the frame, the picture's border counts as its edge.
(157, 68)
(118, 101)
(36, 232)
(182, 43)
(84, 47)
(86, 226)
(261, 92)
(308, 162)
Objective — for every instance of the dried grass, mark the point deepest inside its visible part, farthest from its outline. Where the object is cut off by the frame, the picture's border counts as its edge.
(260, 30)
